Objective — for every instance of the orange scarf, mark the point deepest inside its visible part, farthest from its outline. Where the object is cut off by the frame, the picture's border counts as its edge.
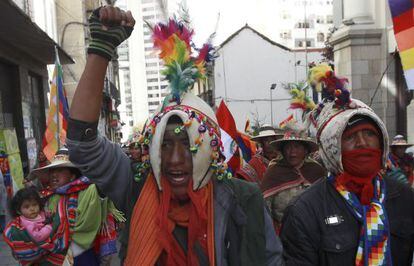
(154, 218)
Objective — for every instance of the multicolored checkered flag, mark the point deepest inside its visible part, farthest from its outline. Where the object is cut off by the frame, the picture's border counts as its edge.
(55, 134)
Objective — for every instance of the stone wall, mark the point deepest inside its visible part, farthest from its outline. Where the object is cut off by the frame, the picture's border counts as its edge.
(361, 56)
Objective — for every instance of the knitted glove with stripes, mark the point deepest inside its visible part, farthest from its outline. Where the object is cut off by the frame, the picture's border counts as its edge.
(104, 41)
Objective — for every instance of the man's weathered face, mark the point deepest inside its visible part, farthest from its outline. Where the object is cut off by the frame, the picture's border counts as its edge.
(135, 152)
(294, 153)
(268, 150)
(399, 151)
(360, 139)
(176, 161)
(59, 177)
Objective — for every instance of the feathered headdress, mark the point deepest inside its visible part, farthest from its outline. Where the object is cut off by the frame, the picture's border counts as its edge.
(182, 67)
(300, 99)
(334, 88)
(324, 79)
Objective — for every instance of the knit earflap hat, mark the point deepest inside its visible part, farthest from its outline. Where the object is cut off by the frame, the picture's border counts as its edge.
(332, 116)
(182, 70)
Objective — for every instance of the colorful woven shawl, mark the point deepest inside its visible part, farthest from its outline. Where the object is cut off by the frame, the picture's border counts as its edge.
(51, 251)
(254, 170)
(89, 213)
(374, 245)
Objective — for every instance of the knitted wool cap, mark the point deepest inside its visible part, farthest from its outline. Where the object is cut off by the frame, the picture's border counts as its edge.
(182, 70)
(331, 118)
(204, 120)
(331, 125)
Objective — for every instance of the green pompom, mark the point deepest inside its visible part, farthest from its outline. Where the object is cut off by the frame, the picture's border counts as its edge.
(229, 175)
(194, 149)
(138, 177)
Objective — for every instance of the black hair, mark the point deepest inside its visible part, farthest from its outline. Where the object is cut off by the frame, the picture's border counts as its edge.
(174, 119)
(75, 171)
(23, 194)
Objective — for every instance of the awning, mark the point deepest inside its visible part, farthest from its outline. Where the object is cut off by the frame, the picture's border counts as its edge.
(17, 29)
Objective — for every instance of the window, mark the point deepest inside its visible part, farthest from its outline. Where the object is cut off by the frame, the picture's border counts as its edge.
(150, 56)
(320, 19)
(148, 17)
(153, 103)
(148, 9)
(286, 15)
(147, 1)
(152, 80)
(153, 95)
(301, 43)
(148, 49)
(320, 37)
(150, 88)
(286, 34)
(329, 19)
(303, 25)
(150, 64)
(151, 72)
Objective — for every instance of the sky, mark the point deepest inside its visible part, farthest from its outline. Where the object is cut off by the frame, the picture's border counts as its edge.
(234, 14)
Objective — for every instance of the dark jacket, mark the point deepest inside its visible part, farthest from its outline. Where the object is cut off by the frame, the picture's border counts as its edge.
(309, 240)
(244, 234)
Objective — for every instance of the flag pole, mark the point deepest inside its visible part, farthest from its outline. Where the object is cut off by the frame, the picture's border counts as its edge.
(57, 64)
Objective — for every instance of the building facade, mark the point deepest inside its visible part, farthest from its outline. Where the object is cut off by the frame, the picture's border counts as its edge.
(365, 52)
(125, 108)
(148, 86)
(73, 34)
(303, 23)
(250, 75)
(24, 79)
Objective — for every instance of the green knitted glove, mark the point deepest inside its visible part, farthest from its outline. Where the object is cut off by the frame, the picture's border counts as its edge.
(104, 42)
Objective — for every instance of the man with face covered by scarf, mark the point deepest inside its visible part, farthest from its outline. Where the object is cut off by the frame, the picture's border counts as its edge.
(358, 215)
(181, 205)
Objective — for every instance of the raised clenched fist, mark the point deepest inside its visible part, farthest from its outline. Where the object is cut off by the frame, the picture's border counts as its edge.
(109, 26)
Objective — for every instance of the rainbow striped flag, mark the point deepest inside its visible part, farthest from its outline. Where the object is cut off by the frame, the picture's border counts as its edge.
(402, 13)
(55, 134)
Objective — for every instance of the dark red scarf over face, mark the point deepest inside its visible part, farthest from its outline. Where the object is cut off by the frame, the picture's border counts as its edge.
(360, 167)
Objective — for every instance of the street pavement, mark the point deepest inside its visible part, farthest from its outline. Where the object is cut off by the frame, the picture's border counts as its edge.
(6, 258)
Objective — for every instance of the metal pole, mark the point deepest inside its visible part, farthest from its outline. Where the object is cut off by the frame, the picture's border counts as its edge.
(296, 74)
(271, 107)
(272, 87)
(57, 63)
(306, 42)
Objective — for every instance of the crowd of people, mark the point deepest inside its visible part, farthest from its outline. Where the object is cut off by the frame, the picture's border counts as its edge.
(343, 197)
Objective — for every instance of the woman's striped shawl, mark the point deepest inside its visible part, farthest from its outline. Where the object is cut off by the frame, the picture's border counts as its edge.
(51, 251)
